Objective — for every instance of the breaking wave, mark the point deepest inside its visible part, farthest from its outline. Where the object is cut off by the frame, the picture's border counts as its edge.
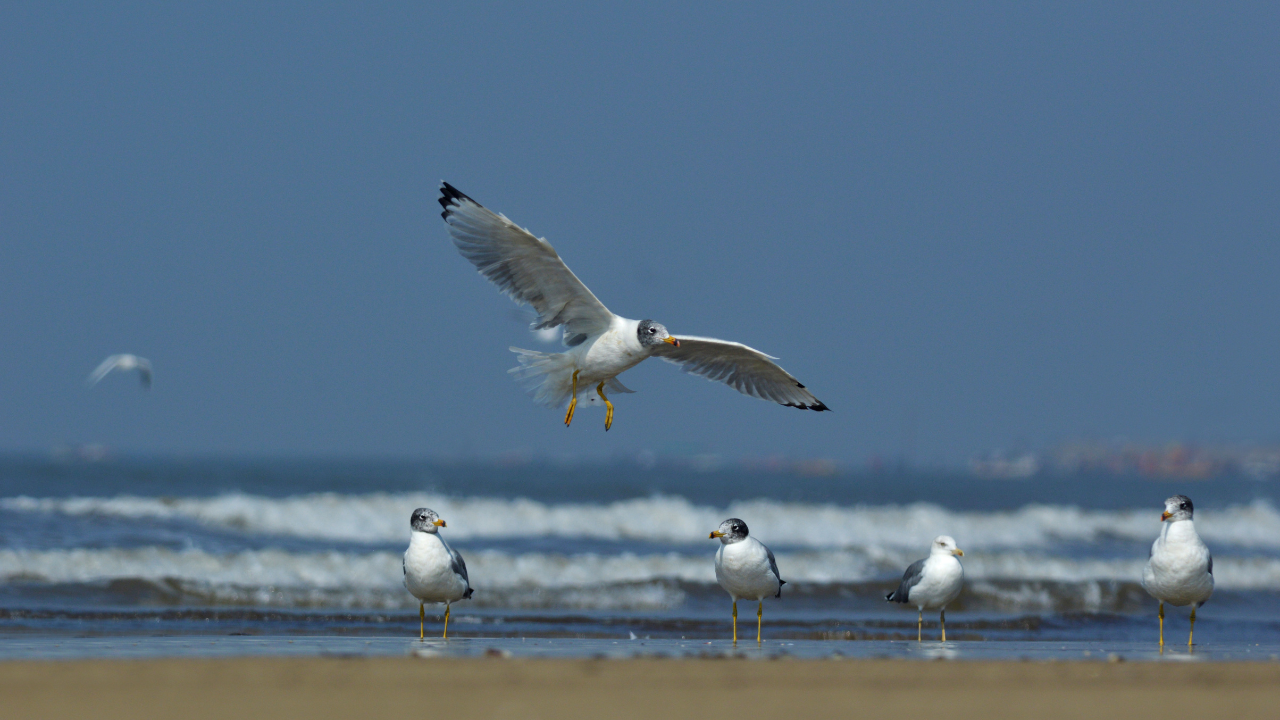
(269, 577)
(383, 518)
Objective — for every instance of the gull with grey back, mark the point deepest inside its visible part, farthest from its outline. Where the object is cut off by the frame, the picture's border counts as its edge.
(600, 345)
(1179, 570)
(932, 582)
(433, 571)
(746, 569)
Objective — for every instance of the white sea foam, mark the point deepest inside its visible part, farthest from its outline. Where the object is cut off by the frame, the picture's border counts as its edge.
(277, 577)
(384, 517)
(272, 576)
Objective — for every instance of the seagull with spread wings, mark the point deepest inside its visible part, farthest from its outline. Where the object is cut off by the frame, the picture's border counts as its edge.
(123, 363)
(601, 345)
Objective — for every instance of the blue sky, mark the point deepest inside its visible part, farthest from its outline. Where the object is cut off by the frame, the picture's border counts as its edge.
(963, 226)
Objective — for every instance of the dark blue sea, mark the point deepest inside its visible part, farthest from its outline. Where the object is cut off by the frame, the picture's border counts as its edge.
(120, 548)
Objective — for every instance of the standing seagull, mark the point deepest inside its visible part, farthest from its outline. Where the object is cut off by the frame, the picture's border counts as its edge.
(1180, 568)
(123, 363)
(433, 571)
(932, 582)
(745, 568)
(601, 344)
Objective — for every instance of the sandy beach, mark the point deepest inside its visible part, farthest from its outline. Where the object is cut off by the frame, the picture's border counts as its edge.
(318, 688)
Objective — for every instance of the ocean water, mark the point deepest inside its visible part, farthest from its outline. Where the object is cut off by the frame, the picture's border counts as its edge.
(608, 551)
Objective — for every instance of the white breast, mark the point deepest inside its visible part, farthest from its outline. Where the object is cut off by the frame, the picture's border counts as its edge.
(1178, 570)
(616, 350)
(941, 581)
(428, 569)
(743, 570)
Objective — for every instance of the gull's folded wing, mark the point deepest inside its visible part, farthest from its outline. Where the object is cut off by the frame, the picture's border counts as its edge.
(910, 579)
(773, 565)
(746, 370)
(459, 566)
(525, 268)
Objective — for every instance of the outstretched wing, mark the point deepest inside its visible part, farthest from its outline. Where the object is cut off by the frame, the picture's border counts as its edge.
(101, 371)
(144, 373)
(525, 268)
(746, 370)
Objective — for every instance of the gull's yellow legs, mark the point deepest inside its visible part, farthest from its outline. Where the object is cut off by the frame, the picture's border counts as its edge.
(759, 620)
(1162, 626)
(920, 626)
(573, 402)
(735, 621)
(422, 619)
(943, 620)
(608, 411)
(1193, 627)
(446, 621)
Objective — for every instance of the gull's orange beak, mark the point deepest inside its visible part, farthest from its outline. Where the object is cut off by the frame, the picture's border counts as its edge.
(715, 534)
(958, 552)
(1165, 515)
(440, 523)
(671, 341)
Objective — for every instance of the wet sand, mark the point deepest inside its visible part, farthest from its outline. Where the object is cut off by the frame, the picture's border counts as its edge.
(318, 688)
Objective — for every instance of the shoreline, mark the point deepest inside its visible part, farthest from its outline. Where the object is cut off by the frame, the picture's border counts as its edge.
(318, 688)
(27, 647)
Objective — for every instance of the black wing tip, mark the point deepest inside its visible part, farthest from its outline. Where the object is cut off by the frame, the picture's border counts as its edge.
(816, 407)
(451, 197)
(467, 595)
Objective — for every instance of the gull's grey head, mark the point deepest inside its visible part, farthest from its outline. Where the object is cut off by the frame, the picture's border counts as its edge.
(1178, 507)
(425, 520)
(730, 531)
(945, 545)
(653, 334)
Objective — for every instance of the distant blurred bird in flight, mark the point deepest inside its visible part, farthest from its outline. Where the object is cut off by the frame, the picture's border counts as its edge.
(601, 345)
(123, 363)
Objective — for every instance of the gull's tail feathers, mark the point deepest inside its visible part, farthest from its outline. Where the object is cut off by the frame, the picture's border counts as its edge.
(548, 377)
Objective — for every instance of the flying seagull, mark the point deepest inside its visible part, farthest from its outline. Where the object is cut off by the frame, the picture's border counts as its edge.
(746, 569)
(932, 582)
(123, 363)
(433, 571)
(1180, 569)
(601, 345)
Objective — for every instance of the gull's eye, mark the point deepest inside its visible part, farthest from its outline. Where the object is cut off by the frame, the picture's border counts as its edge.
(653, 331)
